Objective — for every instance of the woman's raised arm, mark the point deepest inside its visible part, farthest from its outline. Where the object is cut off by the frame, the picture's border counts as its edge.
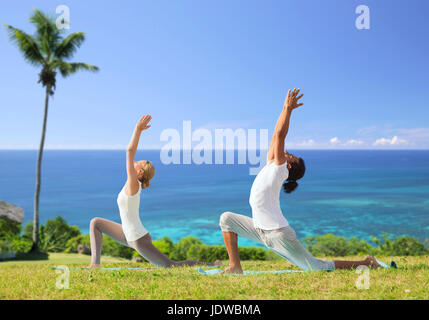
(132, 180)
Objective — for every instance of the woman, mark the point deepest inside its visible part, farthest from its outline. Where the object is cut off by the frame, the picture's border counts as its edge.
(268, 225)
(132, 233)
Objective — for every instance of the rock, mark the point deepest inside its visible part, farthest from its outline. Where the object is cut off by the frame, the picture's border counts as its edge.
(83, 249)
(11, 212)
(137, 259)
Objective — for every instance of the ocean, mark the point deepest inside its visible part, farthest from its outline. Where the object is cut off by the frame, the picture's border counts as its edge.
(352, 193)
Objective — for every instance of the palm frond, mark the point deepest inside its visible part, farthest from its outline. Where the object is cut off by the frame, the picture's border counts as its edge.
(47, 33)
(69, 45)
(27, 45)
(66, 69)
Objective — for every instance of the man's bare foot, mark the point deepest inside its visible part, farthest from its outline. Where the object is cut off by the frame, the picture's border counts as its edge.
(232, 269)
(372, 262)
(94, 266)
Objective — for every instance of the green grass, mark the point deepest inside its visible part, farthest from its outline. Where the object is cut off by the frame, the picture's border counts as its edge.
(36, 280)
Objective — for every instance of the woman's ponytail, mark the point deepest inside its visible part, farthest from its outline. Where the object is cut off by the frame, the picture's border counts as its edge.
(149, 173)
(289, 186)
(296, 171)
(145, 184)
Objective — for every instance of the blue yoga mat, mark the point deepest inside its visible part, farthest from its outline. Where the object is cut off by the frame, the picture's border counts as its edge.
(111, 269)
(392, 264)
(213, 272)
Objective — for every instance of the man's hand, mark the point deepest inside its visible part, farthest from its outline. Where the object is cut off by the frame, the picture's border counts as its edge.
(143, 123)
(291, 101)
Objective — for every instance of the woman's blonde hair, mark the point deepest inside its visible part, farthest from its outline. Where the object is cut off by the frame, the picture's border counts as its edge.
(149, 173)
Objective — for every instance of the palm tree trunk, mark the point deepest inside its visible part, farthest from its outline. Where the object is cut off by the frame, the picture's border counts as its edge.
(35, 247)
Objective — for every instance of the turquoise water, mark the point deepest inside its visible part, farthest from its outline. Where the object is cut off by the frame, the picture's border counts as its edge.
(350, 193)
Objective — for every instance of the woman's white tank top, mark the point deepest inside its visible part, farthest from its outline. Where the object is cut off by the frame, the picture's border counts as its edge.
(130, 216)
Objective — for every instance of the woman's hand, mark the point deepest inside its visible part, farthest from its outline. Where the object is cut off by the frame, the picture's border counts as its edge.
(143, 123)
(291, 101)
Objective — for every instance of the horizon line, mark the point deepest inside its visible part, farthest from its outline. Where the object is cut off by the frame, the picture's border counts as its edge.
(213, 149)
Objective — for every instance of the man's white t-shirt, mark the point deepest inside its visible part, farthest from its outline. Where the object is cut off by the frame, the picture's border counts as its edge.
(265, 197)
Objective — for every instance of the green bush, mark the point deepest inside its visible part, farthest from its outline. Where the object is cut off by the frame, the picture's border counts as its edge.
(55, 234)
(408, 246)
(203, 252)
(110, 246)
(181, 248)
(165, 245)
(9, 229)
(71, 244)
(115, 249)
(5, 246)
(400, 246)
(252, 253)
(21, 245)
(10, 239)
(332, 245)
(28, 231)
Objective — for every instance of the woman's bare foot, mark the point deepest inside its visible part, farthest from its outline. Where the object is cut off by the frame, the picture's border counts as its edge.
(94, 266)
(233, 269)
(372, 262)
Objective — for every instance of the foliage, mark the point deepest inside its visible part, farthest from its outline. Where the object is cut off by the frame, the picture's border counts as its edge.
(203, 252)
(72, 243)
(53, 235)
(181, 248)
(115, 249)
(165, 245)
(332, 245)
(401, 246)
(9, 228)
(28, 230)
(57, 236)
(49, 49)
(5, 246)
(21, 245)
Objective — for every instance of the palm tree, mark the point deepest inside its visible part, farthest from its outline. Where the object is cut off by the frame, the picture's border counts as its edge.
(49, 50)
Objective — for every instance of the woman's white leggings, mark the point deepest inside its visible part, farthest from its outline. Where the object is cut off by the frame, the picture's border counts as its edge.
(144, 245)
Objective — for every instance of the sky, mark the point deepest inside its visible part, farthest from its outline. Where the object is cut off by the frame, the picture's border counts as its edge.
(226, 64)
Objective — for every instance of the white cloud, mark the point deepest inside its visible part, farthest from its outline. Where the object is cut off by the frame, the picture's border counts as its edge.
(353, 142)
(335, 140)
(385, 142)
(306, 143)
